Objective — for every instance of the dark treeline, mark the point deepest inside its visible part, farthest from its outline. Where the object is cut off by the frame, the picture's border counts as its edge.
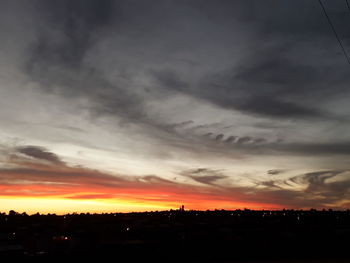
(210, 236)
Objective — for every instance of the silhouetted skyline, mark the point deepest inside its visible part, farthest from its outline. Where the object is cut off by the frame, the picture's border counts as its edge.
(206, 236)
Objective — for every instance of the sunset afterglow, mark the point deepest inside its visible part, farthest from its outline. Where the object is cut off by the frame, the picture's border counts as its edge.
(121, 106)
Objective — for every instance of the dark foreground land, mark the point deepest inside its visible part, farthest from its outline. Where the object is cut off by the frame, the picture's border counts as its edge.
(197, 236)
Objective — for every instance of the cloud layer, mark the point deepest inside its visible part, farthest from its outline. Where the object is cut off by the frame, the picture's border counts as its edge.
(43, 177)
(229, 102)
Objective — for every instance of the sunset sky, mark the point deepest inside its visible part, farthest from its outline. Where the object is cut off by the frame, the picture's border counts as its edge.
(134, 105)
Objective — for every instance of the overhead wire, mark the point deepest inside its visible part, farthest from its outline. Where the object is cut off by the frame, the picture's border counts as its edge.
(347, 4)
(334, 31)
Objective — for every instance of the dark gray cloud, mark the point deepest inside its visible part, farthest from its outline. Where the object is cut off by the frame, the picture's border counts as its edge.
(35, 172)
(319, 190)
(76, 24)
(287, 72)
(341, 148)
(244, 139)
(219, 137)
(269, 184)
(314, 189)
(204, 175)
(56, 59)
(181, 124)
(284, 71)
(250, 145)
(274, 80)
(230, 139)
(275, 171)
(281, 73)
(236, 96)
(317, 182)
(235, 139)
(194, 78)
(40, 153)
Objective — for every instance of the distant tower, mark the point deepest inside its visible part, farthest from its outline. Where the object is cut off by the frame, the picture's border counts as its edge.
(182, 208)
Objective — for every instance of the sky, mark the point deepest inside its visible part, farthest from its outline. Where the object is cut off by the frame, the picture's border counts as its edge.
(148, 105)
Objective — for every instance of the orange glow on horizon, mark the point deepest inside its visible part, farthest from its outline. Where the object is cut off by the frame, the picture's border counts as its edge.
(64, 205)
(62, 189)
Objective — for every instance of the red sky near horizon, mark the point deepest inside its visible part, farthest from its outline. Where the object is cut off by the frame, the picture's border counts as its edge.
(36, 177)
(148, 105)
(31, 183)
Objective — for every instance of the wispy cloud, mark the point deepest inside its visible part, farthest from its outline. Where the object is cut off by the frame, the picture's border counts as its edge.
(164, 86)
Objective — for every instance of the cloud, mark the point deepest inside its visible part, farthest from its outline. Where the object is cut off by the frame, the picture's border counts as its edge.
(60, 180)
(204, 175)
(180, 125)
(271, 95)
(275, 171)
(235, 139)
(269, 184)
(219, 137)
(39, 153)
(281, 74)
(317, 183)
(230, 139)
(186, 82)
(73, 26)
(331, 148)
(320, 189)
(67, 34)
(245, 139)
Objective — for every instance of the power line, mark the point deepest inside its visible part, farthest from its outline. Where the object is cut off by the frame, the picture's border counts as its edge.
(334, 31)
(348, 5)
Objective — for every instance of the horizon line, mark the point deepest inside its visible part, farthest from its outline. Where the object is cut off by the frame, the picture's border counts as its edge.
(179, 210)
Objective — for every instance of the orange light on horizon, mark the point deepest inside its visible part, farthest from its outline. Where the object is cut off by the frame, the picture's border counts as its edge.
(63, 206)
(57, 205)
(82, 190)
